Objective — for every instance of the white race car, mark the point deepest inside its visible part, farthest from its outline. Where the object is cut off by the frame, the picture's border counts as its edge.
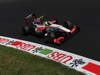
(50, 30)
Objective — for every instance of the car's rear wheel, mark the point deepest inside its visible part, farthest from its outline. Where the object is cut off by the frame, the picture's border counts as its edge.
(26, 30)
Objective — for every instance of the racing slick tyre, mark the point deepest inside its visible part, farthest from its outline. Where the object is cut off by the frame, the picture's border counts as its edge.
(49, 36)
(26, 30)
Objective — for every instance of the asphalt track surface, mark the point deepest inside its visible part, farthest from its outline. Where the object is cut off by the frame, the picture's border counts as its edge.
(83, 12)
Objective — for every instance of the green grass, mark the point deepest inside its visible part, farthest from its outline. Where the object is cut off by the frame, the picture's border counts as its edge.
(15, 62)
(46, 51)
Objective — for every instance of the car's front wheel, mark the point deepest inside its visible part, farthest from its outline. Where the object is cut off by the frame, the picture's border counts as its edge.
(52, 38)
(49, 36)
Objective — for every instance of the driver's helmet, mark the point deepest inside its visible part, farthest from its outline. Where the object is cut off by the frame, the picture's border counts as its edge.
(41, 17)
(33, 17)
(37, 21)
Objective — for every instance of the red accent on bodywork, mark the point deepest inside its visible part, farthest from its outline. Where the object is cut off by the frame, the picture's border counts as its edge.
(57, 40)
(73, 29)
(50, 27)
(52, 21)
(40, 28)
(26, 21)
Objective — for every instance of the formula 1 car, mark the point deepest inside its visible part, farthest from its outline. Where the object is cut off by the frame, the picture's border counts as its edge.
(50, 30)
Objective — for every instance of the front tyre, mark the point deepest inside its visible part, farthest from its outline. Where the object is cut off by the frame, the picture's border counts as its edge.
(51, 37)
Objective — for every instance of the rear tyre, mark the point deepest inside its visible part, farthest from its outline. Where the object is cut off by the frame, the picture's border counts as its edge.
(26, 30)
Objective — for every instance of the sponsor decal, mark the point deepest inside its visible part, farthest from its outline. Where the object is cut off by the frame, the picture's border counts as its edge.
(60, 57)
(41, 50)
(77, 62)
(9, 42)
(3, 40)
(37, 49)
(23, 46)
